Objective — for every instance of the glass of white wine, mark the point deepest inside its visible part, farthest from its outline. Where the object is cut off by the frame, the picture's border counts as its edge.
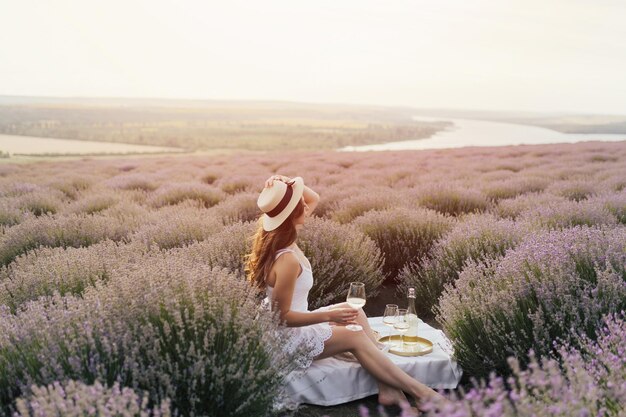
(389, 318)
(356, 299)
(402, 323)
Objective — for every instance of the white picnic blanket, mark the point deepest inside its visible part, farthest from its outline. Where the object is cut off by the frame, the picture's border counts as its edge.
(332, 381)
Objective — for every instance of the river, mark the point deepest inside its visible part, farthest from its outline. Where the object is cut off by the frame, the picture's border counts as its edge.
(470, 132)
(31, 145)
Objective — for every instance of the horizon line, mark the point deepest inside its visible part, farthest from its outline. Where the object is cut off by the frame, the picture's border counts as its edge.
(323, 103)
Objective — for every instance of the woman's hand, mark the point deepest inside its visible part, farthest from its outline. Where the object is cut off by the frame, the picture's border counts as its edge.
(270, 181)
(343, 315)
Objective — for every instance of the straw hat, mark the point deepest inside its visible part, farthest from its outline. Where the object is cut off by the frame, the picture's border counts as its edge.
(278, 201)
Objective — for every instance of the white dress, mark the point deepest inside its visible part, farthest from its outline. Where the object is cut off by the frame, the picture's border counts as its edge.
(314, 334)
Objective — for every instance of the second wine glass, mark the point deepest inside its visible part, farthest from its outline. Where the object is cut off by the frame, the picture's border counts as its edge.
(402, 323)
(356, 299)
(389, 318)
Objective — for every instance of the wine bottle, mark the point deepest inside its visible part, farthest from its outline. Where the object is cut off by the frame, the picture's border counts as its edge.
(410, 337)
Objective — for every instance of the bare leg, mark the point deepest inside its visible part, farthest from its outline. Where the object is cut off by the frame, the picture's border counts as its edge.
(387, 395)
(362, 320)
(374, 361)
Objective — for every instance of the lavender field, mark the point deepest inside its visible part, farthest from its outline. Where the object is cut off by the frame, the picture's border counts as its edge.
(122, 284)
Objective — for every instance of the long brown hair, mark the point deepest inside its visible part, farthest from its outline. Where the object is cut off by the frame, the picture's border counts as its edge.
(265, 245)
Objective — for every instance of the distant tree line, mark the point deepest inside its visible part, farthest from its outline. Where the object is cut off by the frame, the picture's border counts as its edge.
(218, 127)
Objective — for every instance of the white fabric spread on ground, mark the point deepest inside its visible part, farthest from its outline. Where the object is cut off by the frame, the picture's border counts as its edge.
(332, 381)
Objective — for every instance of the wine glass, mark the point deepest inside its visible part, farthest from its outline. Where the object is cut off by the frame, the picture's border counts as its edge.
(356, 299)
(402, 323)
(389, 318)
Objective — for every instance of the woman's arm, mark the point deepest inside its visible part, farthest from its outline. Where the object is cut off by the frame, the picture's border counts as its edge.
(287, 269)
(311, 199)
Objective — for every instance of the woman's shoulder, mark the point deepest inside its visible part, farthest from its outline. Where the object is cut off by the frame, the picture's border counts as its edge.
(287, 262)
(283, 250)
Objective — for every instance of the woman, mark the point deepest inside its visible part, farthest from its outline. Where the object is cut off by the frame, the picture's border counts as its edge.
(277, 265)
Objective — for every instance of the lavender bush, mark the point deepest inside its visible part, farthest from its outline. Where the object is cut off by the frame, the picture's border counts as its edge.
(330, 198)
(238, 208)
(17, 188)
(210, 177)
(180, 225)
(45, 271)
(174, 329)
(17, 206)
(39, 203)
(614, 181)
(174, 193)
(451, 200)
(558, 215)
(573, 190)
(10, 215)
(589, 381)
(339, 254)
(7, 169)
(146, 318)
(93, 203)
(512, 208)
(615, 204)
(237, 184)
(554, 285)
(475, 237)
(133, 181)
(351, 207)
(510, 188)
(72, 185)
(71, 230)
(403, 235)
(76, 399)
(226, 249)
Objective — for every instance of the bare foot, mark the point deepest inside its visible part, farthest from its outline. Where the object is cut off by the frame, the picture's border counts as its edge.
(389, 396)
(408, 410)
(434, 395)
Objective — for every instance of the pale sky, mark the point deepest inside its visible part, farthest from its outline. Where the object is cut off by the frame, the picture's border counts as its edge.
(534, 55)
